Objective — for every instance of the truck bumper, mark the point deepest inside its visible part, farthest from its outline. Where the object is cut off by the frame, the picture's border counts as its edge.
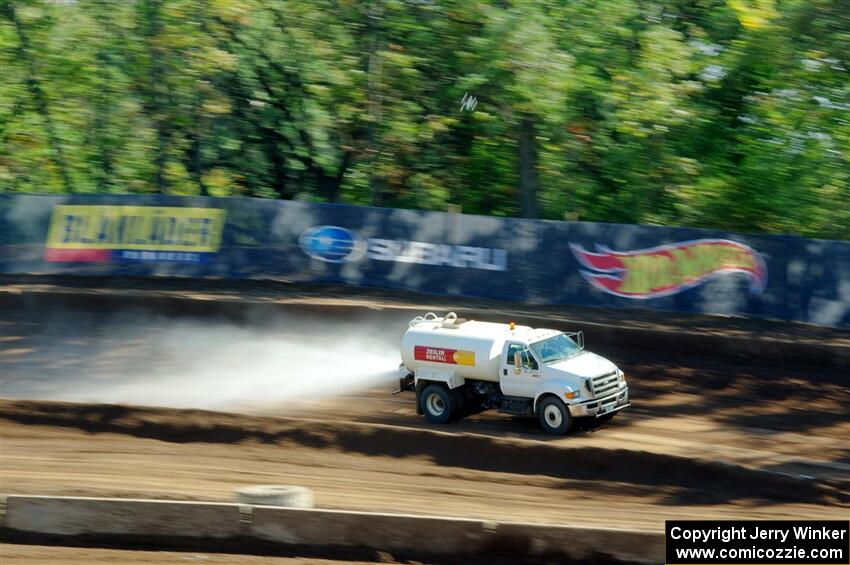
(601, 406)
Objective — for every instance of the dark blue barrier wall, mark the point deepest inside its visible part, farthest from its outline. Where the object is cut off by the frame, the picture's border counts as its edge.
(676, 269)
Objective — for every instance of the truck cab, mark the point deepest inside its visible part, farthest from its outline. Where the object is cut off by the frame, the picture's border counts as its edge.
(457, 366)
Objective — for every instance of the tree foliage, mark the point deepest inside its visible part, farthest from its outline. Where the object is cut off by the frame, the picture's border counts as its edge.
(730, 114)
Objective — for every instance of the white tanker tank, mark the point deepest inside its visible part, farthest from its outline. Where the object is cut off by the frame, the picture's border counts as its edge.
(471, 349)
(457, 366)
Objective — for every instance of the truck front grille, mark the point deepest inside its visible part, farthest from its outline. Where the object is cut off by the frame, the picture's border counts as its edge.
(606, 384)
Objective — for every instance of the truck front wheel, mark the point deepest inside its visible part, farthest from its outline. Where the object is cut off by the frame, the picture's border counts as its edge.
(438, 404)
(554, 416)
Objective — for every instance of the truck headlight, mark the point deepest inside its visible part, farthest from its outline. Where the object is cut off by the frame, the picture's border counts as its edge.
(621, 376)
(571, 395)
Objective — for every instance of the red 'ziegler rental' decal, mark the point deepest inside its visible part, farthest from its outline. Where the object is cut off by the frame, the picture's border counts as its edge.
(443, 355)
(669, 269)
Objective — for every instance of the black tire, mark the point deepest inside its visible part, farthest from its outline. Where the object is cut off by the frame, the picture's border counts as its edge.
(438, 404)
(554, 416)
(461, 404)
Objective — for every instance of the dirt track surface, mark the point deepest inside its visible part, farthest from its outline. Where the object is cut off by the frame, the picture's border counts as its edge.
(11, 554)
(282, 293)
(54, 448)
(706, 438)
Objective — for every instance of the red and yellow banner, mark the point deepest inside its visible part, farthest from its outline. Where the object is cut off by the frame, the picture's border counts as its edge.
(442, 355)
(669, 269)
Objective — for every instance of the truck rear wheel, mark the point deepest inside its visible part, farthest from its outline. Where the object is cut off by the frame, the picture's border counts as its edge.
(438, 403)
(462, 404)
(554, 416)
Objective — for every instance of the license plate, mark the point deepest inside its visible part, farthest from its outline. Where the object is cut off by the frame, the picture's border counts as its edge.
(603, 409)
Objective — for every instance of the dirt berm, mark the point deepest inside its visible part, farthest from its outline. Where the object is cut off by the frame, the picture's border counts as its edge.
(688, 480)
(648, 330)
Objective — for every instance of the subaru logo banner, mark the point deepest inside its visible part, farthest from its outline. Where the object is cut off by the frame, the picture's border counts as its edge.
(335, 244)
(332, 244)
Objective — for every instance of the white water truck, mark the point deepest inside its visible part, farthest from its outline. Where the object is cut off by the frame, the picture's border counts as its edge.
(457, 366)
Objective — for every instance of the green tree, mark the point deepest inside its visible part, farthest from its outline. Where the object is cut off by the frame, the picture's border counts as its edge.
(729, 114)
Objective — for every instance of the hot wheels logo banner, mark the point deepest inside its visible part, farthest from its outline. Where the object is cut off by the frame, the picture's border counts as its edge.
(668, 269)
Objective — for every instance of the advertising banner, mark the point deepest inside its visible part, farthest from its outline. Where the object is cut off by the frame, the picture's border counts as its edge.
(591, 264)
(103, 234)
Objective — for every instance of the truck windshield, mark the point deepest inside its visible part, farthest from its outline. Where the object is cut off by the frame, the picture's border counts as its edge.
(555, 348)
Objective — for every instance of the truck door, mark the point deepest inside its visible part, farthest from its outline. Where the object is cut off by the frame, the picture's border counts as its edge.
(525, 382)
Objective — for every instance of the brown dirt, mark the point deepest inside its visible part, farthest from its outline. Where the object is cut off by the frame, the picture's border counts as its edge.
(706, 438)
(281, 292)
(15, 554)
(54, 448)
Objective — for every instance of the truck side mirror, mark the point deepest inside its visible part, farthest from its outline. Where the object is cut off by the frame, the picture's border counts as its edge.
(517, 361)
